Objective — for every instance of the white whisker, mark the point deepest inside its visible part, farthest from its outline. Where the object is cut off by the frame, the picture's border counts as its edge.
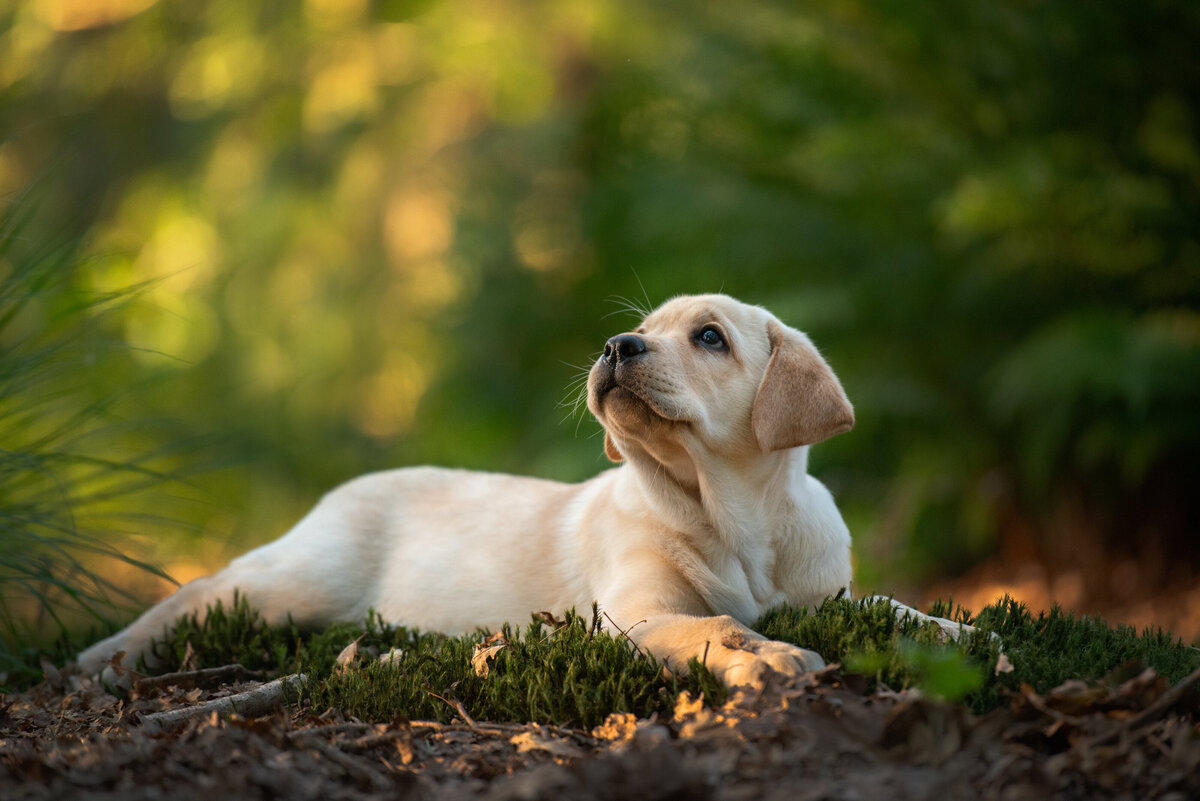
(645, 294)
(626, 306)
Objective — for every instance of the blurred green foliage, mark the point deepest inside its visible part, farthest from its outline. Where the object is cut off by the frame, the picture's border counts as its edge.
(381, 232)
(76, 481)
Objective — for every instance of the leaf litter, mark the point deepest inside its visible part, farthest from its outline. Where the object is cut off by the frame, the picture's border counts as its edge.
(817, 736)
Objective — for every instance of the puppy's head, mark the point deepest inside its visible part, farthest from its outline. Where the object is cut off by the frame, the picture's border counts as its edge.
(710, 370)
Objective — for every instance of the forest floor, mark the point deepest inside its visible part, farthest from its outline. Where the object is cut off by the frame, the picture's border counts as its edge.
(816, 737)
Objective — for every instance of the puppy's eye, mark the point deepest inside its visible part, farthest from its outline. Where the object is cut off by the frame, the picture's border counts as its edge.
(711, 338)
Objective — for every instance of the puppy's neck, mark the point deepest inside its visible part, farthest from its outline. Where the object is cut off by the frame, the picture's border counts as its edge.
(667, 468)
(745, 499)
(735, 513)
(739, 497)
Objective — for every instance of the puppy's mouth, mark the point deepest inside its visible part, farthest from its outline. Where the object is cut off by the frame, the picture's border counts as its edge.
(626, 398)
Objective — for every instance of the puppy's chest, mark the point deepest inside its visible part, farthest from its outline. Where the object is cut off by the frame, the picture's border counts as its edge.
(738, 582)
(807, 576)
(771, 571)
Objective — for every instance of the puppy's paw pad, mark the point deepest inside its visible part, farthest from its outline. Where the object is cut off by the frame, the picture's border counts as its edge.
(770, 656)
(790, 659)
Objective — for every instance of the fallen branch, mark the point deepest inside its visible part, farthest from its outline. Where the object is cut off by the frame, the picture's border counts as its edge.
(1152, 712)
(252, 703)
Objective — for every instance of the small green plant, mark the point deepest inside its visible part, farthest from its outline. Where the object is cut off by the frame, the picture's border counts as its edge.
(867, 638)
(943, 671)
(234, 635)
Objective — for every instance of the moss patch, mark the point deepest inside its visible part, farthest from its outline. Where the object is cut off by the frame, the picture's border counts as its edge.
(1043, 650)
(570, 672)
(567, 672)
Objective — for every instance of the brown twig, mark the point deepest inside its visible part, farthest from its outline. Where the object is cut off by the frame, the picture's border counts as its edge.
(366, 735)
(331, 728)
(205, 677)
(369, 741)
(507, 729)
(427, 724)
(625, 632)
(459, 708)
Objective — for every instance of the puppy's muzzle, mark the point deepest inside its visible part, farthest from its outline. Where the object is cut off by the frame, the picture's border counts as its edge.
(623, 355)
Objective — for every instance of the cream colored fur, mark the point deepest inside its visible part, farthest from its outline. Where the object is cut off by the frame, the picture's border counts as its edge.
(711, 519)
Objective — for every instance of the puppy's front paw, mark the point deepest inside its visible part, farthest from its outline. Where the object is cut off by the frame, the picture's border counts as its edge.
(751, 660)
(789, 659)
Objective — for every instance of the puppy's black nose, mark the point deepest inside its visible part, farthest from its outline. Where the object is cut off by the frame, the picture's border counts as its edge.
(623, 347)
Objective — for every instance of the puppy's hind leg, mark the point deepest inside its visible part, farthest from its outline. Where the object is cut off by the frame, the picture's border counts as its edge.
(195, 596)
(325, 569)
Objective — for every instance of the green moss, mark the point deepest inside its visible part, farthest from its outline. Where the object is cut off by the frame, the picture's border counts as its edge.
(571, 674)
(235, 635)
(1054, 646)
(574, 673)
(1044, 651)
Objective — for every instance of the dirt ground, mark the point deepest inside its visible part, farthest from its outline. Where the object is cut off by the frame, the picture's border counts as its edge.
(818, 737)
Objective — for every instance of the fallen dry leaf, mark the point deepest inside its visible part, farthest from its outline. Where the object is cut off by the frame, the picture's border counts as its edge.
(52, 677)
(487, 650)
(538, 739)
(346, 658)
(549, 619)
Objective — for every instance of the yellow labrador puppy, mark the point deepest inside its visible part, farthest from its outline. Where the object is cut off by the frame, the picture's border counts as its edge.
(710, 519)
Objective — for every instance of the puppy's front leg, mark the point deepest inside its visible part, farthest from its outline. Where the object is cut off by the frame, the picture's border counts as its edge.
(734, 653)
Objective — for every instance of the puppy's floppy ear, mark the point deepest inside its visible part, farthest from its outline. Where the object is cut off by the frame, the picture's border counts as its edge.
(800, 400)
(610, 448)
